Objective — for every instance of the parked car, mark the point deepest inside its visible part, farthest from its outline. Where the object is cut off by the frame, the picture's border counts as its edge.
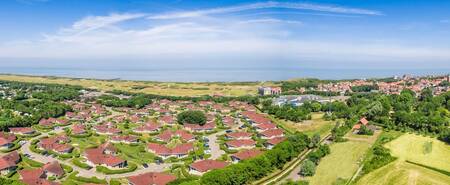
(145, 165)
(228, 131)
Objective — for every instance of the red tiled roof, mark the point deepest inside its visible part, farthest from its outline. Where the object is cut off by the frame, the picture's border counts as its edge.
(96, 156)
(167, 135)
(31, 173)
(246, 154)
(124, 138)
(151, 178)
(207, 126)
(276, 140)
(8, 137)
(9, 160)
(206, 165)
(363, 121)
(21, 129)
(39, 182)
(266, 126)
(272, 133)
(54, 167)
(241, 142)
(237, 135)
(163, 150)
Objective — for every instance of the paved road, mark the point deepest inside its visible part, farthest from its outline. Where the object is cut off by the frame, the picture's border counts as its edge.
(216, 152)
(25, 149)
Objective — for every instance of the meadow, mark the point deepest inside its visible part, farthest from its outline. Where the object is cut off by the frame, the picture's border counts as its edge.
(150, 87)
(403, 173)
(420, 149)
(342, 163)
(317, 125)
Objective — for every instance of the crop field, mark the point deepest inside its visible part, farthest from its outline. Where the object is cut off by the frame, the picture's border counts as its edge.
(403, 173)
(423, 150)
(159, 88)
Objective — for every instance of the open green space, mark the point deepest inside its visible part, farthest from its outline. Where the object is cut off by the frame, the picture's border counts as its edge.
(422, 150)
(317, 125)
(135, 153)
(342, 163)
(403, 173)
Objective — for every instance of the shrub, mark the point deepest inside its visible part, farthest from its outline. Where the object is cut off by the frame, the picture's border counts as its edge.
(194, 117)
(308, 168)
(80, 164)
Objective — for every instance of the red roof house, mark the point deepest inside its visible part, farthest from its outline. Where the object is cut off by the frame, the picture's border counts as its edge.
(240, 144)
(200, 167)
(245, 154)
(151, 178)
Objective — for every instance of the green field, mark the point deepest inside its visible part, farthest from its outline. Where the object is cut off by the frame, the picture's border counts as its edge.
(341, 163)
(310, 127)
(403, 173)
(422, 150)
(159, 88)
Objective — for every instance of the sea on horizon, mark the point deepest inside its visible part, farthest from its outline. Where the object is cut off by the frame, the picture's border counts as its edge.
(216, 74)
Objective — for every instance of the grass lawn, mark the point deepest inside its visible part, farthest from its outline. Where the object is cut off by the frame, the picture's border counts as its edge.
(310, 127)
(86, 142)
(402, 173)
(135, 153)
(422, 150)
(160, 88)
(341, 163)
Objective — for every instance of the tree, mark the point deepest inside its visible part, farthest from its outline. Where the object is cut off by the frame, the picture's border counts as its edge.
(315, 140)
(193, 117)
(308, 168)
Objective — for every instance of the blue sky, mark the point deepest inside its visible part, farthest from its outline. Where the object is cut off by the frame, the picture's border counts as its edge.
(315, 33)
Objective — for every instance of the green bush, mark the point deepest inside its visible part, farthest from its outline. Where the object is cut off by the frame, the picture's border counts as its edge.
(94, 180)
(32, 163)
(190, 116)
(80, 164)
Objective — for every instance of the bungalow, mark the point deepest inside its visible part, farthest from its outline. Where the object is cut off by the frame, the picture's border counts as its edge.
(28, 175)
(240, 144)
(148, 128)
(8, 162)
(107, 129)
(270, 134)
(103, 156)
(56, 144)
(272, 142)
(163, 151)
(200, 128)
(167, 119)
(152, 178)
(228, 121)
(357, 126)
(201, 167)
(53, 169)
(245, 154)
(255, 118)
(22, 131)
(167, 135)
(265, 126)
(6, 140)
(127, 139)
(78, 129)
(134, 118)
(238, 135)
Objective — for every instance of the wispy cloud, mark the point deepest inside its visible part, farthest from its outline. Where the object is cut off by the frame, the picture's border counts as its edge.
(266, 5)
(444, 21)
(96, 22)
(207, 33)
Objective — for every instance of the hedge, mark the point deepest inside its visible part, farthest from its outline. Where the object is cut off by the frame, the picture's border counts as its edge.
(15, 147)
(94, 180)
(80, 164)
(105, 170)
(32, 163)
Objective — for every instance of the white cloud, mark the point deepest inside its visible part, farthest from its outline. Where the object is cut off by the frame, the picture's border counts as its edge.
(208, 35)
(265, 5)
